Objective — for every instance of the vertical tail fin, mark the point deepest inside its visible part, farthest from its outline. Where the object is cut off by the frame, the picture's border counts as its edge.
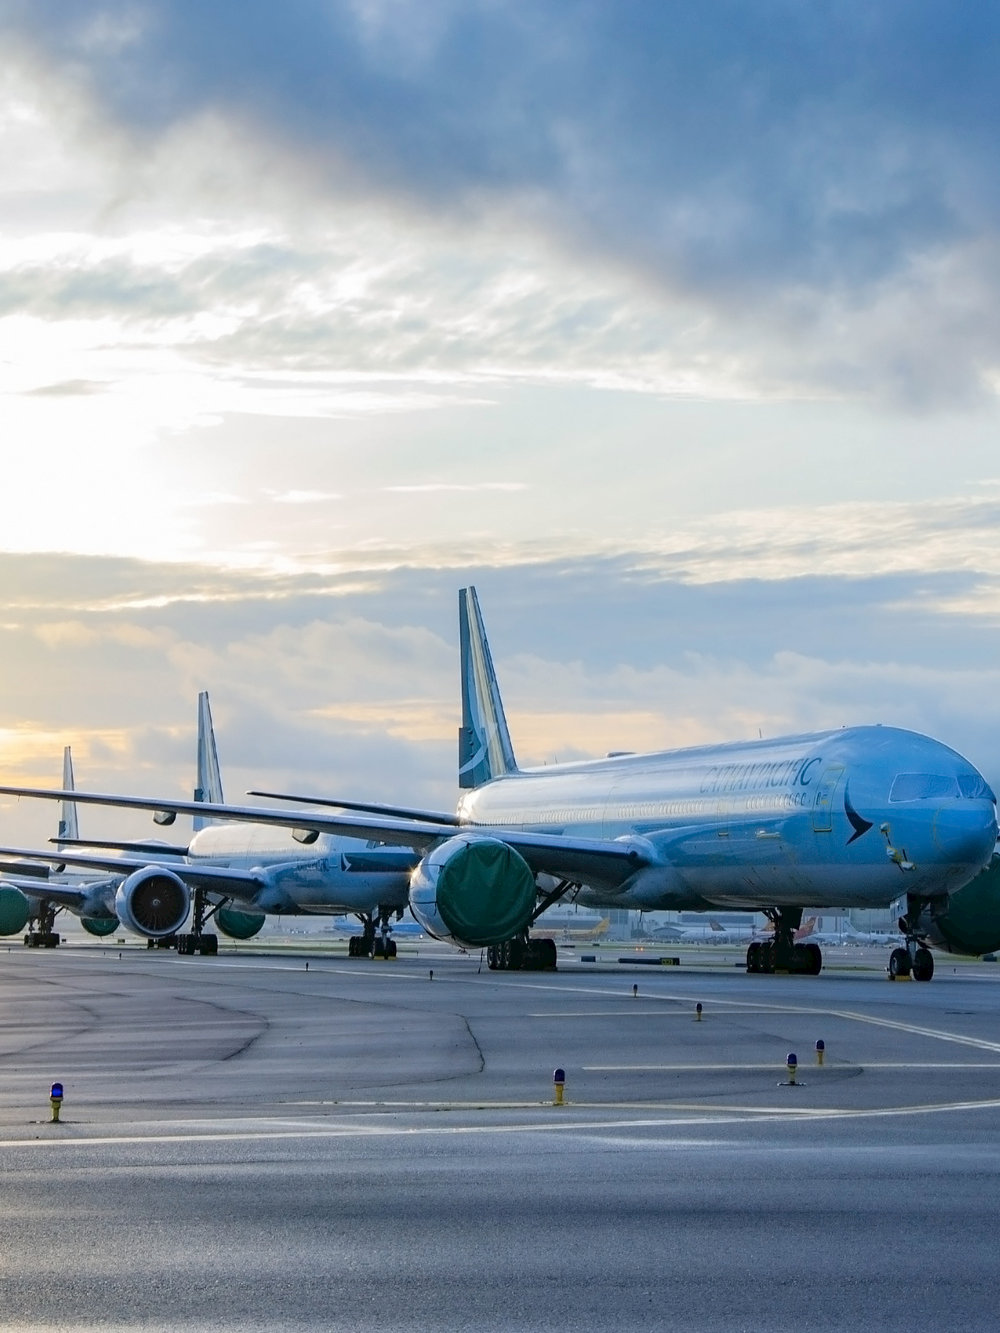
(208, 783)
(484, 748)
(69, 826)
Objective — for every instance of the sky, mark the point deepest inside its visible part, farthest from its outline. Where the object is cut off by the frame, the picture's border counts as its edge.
(671, 327)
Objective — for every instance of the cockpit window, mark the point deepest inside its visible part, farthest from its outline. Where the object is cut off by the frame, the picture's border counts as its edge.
(921, 786)
(930, 786)
(975, 787)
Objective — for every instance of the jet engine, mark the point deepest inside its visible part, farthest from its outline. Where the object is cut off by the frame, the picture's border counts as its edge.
(239, 925)
(971, 925)
(473, 891)
(14, 911)
(153, 902)
(100, 925)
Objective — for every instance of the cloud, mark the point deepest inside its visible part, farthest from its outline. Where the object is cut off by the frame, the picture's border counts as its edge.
(432, 487)
(594, 653)
(807, 190)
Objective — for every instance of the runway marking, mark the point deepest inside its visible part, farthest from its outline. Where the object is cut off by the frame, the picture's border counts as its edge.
(732, 1007)
(776, 1065)
(617, 1013)
(697, 1115)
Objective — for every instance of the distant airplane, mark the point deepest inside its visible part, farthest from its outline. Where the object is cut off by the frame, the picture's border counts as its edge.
(847, 934)
(227, 873)
(717, 933)
(571, 926)
(36, 901)
(834, 819)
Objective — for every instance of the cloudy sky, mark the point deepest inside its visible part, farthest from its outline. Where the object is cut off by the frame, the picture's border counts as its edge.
(672, 327)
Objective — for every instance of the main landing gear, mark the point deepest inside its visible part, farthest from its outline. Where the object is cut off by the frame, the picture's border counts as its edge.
(522, 954)
(783, 953)
(913, 959)
(369, 944)
(42, 935)
(198, 939)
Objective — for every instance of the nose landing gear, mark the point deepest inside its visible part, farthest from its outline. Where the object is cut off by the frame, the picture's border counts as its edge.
(914, 959)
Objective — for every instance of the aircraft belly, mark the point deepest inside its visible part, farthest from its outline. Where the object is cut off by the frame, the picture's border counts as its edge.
(746, 887)
(826, 886)
(349, 893)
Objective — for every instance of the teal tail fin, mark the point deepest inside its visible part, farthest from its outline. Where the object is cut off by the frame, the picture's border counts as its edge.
(209, 779)
(69, 826)
(484, 748)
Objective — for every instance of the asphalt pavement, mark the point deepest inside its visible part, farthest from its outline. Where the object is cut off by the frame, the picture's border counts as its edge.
(248, 1143)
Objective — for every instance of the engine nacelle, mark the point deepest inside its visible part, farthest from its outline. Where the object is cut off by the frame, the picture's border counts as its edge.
(239, 925)
(473, 891)
(100, 925)
(971, 924)
(14, 911)
(153, 902)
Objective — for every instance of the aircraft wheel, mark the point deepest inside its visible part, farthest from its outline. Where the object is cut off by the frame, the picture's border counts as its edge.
(753, 956)
(208, 944)
(517, 955)
(491, 957)
(814, 960)
(548, 955)
(923, 965)
(899, 963)
(390, 948)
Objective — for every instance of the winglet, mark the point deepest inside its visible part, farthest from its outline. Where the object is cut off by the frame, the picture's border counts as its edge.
(69, 825)
(484, 748)
(209, 777)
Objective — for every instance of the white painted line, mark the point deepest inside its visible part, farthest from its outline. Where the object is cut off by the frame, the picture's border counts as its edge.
(698, 1115)
(778, 1065)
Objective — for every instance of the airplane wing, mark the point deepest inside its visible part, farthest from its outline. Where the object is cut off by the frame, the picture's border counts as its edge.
(585, 859)
(65, 895)
(23, 868)
(221, 879)
(128, 845)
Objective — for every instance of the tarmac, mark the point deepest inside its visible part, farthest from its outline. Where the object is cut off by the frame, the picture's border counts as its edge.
(305, 1141)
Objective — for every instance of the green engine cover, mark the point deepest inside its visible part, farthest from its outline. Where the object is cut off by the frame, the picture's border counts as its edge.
(14, 911)
(100, 925)
(972, 923)
(238, 925)
(485, 892)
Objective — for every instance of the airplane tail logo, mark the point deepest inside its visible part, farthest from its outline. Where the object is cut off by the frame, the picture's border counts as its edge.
(209, 777)
(484, 748)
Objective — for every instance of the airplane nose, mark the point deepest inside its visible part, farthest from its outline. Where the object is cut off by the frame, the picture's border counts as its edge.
(966, 834)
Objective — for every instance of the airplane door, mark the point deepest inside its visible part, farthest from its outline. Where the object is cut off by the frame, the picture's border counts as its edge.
(823, 804)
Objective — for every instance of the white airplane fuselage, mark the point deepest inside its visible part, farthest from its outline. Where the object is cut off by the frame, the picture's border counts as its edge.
(848, 818)
(330, 875)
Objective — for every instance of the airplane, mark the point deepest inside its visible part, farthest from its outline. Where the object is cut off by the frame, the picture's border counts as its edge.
(36, 901)
(847, 934)
(228, 874)
(716, 933)
(854, 817)
(571, 926)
